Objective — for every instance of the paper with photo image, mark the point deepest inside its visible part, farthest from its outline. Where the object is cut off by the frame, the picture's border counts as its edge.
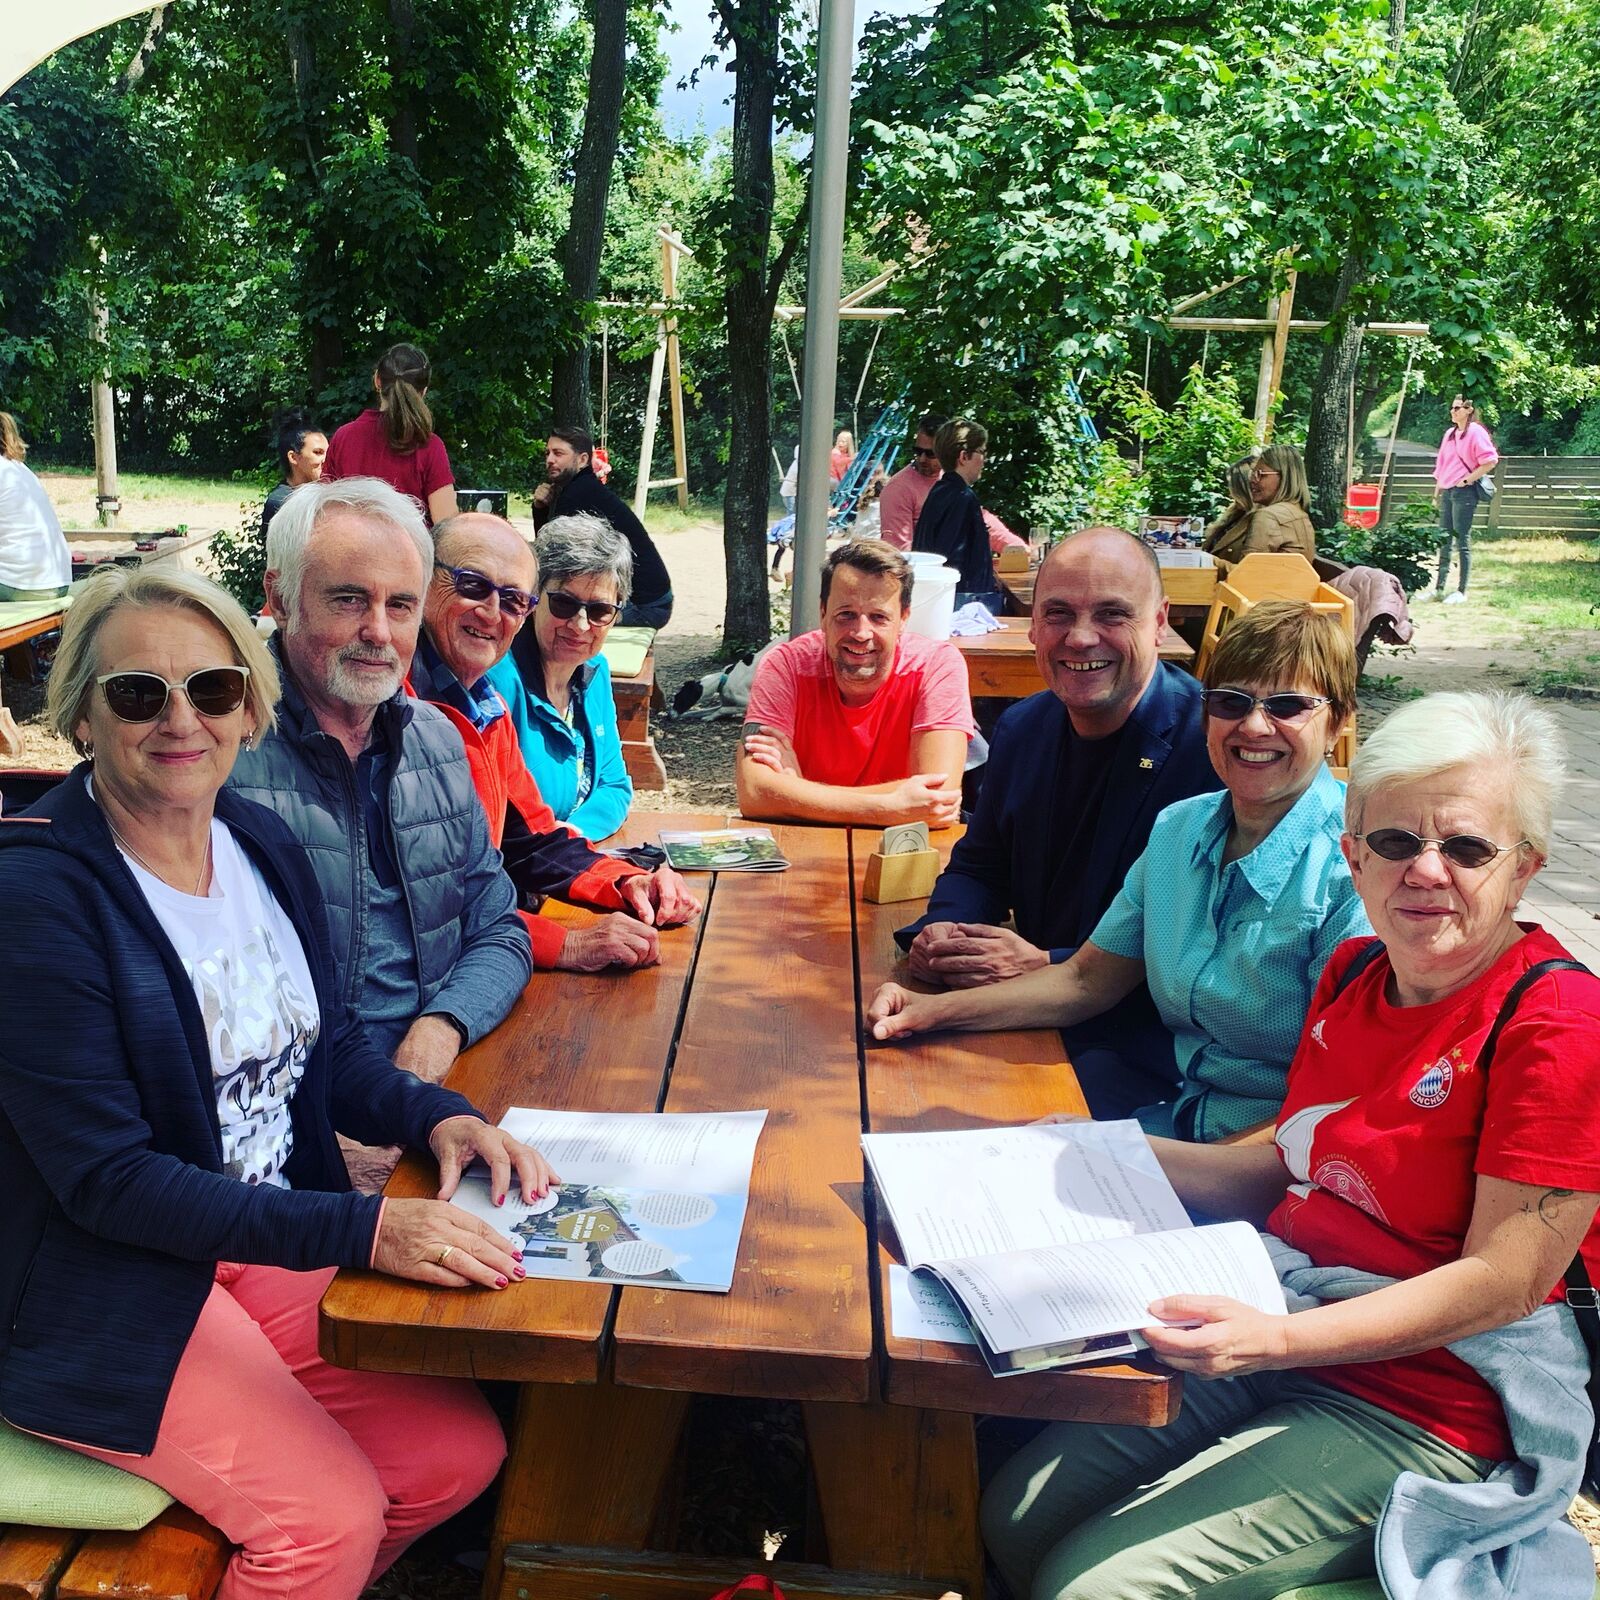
(655, 1198)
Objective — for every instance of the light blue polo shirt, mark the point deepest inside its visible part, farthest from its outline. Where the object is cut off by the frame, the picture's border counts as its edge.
(1232, 953)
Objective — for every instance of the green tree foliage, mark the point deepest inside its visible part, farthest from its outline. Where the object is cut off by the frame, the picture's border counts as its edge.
(1070, 178)
(1189, 446)
(294, 187)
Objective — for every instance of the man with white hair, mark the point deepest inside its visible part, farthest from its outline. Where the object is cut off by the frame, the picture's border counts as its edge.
(429, 948)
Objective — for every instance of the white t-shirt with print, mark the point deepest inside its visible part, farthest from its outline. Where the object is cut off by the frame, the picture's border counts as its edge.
(256, 997)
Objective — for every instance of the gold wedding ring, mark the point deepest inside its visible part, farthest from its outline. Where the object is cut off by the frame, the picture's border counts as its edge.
(444, 1255)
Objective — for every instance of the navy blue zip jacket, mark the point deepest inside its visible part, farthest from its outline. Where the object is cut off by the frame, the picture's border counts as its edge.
(114, 1205)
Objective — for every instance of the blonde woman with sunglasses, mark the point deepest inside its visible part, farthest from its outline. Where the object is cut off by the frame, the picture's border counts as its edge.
(176, 1059)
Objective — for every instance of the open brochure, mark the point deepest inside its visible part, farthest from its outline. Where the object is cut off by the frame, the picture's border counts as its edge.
(644, 1198)
(1052, 1239)
(724, 850)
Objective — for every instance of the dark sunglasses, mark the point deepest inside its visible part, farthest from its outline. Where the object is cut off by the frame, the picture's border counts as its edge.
(1464, 849)
(474, 586)
(143, 696)
(1234, 705)
(928, 455)
(564, 607)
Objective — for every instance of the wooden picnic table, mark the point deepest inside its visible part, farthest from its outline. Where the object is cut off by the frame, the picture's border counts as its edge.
(970, 1080)
(755, 1007)
(1001, 664)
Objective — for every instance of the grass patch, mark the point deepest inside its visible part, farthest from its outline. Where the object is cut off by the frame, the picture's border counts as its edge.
(152, 500)
(1544, 583)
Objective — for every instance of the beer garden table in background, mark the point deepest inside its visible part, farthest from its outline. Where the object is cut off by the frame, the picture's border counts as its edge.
(754, 1007)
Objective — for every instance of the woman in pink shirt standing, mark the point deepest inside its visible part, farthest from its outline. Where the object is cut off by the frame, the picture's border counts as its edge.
(395, 440)
(1466, 454)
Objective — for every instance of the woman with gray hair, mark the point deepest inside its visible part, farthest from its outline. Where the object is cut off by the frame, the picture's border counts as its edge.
(557, 682)
(176, 1057)
(1434, 1177)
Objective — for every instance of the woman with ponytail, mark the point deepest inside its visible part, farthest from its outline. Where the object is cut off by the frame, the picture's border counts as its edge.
(395, 441)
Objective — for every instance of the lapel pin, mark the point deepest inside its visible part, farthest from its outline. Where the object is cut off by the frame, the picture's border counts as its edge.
(1146, 764)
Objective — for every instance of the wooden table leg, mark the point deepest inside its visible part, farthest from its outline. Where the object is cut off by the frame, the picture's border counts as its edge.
(898, 1491)
(587, 1469)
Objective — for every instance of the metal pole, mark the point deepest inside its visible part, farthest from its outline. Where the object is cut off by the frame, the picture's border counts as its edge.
(836, 31)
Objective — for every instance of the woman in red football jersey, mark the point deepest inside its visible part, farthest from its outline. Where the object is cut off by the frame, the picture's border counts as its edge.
(1455, 1178)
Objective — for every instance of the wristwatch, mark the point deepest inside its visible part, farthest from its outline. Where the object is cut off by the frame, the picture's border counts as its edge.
(455, 1022)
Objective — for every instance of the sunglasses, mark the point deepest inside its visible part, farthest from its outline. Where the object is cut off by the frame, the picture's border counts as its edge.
(1234, 705)
(926, 455)
(564, 607)
(474, 586)
(143, 696)
(1464, 849)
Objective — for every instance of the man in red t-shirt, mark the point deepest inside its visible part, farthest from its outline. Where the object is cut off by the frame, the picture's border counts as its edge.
(859, 721)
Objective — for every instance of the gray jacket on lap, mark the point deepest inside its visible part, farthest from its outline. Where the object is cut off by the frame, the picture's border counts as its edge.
(471, 946)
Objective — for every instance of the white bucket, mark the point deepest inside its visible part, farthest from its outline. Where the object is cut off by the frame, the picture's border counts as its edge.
(933, 596)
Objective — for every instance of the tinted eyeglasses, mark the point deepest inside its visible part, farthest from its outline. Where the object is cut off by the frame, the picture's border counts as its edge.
(1464, 849)
(143, 696)
(474, 586)
(564, 607)
(1234, 705)
(925, 455)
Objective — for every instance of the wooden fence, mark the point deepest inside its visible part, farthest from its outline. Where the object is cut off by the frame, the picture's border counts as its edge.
(1536, 494)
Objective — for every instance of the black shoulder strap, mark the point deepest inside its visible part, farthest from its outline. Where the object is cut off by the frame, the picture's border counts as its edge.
(1514, 996)
(1363, 958)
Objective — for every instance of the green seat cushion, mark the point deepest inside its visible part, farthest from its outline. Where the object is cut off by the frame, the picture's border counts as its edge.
(48, 1486)
(626, 650)
(13, 613)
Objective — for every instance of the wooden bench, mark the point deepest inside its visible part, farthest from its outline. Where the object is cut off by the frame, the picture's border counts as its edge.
(179, 1556)
(635, 699)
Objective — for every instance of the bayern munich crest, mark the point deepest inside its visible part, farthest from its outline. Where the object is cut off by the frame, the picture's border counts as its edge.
(1433, 1087)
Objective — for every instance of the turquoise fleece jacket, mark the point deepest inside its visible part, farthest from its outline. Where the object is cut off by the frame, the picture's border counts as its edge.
(551, 748)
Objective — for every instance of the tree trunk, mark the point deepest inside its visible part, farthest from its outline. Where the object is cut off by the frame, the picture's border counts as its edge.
(1328, 423)
(1327, 427)
(750, 297)
(320, 278)
(586, 228)
(135, 70)
(402, 32)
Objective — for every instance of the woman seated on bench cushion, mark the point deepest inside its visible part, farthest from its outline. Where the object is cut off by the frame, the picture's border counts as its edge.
(1230, 914)
(175, 1058)
(1466, 1187)
(557, 683)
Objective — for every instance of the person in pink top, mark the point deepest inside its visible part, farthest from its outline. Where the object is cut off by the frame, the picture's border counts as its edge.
(1466, 456)
(843, 453)
(859, 721)
(395, 440)
(904, 493)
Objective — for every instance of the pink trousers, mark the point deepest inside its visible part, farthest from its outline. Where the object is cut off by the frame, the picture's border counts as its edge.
(320, 1476)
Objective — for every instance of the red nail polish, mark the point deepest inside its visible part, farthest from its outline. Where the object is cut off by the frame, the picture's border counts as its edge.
(499, 1199)
(519, 1272)
(499, 1283)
